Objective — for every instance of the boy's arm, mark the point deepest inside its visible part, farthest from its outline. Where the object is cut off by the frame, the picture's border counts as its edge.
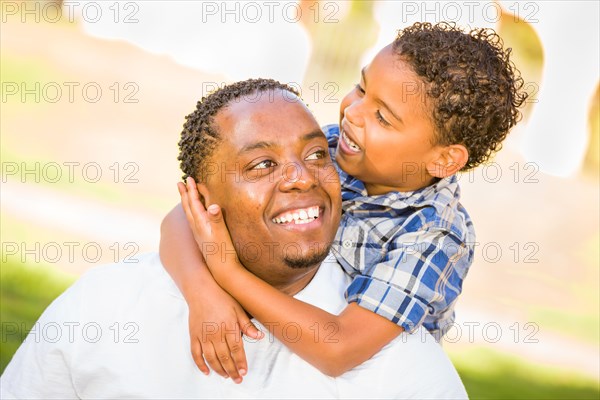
(333, 344)
(180, 255)
(215, 318)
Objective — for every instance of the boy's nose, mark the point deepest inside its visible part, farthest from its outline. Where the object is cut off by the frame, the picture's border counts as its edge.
(353, 113)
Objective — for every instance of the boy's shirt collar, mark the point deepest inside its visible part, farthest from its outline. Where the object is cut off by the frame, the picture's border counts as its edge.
(354, 193)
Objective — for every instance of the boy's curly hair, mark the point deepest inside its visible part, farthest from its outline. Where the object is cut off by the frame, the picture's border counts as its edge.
(474, 87)
(200, 136)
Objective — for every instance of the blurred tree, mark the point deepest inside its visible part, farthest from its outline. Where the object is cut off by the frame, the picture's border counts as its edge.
(340, 33)
(591, 163)
(527, 53)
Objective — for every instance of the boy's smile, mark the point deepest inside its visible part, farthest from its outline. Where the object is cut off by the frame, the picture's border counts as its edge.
(347, 143)
(386, 134)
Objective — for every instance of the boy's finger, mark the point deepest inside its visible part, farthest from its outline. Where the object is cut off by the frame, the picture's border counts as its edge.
(193, 189)
(248, 328)
(219, 231)
(196, 207)
(214, 214)
(196, 348)
(224, 356)
(210, 355)
(184, 202)
(236, 348)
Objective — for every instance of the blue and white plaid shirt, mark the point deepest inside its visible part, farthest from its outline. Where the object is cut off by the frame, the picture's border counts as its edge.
(407, 252)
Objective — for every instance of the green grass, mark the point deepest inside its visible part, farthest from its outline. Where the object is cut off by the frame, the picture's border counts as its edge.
(488, 374)
(26, 290)
(583, 326)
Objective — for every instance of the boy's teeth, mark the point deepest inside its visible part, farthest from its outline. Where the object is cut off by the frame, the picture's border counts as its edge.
(349, 142)
(300, 216)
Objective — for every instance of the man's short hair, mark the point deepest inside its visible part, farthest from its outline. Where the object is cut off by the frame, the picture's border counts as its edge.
(200, 135)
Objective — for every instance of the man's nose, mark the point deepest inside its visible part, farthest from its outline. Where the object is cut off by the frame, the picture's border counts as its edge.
(296, 176)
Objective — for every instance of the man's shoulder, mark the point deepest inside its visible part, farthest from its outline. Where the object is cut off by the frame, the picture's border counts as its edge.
(137, 268)
(120, 283)
(426, 371)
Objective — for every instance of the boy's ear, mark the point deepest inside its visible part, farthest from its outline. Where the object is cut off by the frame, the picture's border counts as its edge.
(449, 161)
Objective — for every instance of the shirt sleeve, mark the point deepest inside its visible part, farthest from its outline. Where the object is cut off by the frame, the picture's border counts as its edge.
(421, 274)
(332, 133)
(40, 367)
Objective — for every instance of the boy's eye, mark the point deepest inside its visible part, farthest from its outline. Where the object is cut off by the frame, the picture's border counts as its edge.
(264, 165)
(381, 120)
(359, 89)
(317, 155)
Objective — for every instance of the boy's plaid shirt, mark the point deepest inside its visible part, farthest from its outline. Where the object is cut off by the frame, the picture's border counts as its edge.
(407, 252)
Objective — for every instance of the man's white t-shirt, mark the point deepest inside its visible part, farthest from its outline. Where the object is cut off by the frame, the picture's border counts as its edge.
(121, 331)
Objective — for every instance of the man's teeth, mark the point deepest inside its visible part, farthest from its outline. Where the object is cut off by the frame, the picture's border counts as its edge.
(300, 216)
(349, 142)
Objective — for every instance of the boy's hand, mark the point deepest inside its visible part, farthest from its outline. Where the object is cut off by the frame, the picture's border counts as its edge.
(210, 231)
(216, 329)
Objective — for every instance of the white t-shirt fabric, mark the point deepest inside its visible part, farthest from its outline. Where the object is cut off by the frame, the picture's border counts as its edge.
(121, 331)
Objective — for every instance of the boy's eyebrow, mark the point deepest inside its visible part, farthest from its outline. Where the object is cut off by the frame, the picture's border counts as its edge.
(390, 111)
(266, 145)
(383, 103)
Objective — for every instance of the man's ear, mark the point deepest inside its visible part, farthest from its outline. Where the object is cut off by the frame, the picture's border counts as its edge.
(207, 199)
(204, 194)
(448, 161)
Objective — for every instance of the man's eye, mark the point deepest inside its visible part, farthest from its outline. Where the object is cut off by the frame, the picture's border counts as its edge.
(264, 165)
(317, 155)
(359, 89)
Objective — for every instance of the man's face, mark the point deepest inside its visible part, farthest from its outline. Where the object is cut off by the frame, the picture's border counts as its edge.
(274, 179)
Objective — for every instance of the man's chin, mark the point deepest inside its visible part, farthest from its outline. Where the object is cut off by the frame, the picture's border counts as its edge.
(314, 258)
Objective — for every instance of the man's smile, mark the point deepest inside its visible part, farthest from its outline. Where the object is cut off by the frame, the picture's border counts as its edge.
(298, 216)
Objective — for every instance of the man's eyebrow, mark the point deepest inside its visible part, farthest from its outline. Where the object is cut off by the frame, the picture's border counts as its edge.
(383, 103)
(256, 145)
(314, 135)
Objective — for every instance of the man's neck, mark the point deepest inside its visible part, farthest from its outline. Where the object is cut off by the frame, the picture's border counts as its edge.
(300, 281)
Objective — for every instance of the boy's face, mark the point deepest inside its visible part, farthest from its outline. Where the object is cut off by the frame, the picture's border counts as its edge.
(386, 135)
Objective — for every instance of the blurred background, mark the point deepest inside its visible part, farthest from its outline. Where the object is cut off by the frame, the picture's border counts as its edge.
(94, 96)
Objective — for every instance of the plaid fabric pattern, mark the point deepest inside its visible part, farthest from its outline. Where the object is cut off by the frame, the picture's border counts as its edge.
(407, 252)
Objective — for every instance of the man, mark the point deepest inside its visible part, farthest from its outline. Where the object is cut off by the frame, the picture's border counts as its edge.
(121, 330)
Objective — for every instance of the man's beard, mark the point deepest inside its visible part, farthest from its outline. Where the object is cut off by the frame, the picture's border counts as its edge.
(309, 260)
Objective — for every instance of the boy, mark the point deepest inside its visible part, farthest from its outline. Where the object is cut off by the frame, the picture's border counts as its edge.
(432, 103)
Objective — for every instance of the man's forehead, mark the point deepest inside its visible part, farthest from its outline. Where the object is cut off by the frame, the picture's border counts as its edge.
(274, 103)
(266, 144)
(266, 120)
